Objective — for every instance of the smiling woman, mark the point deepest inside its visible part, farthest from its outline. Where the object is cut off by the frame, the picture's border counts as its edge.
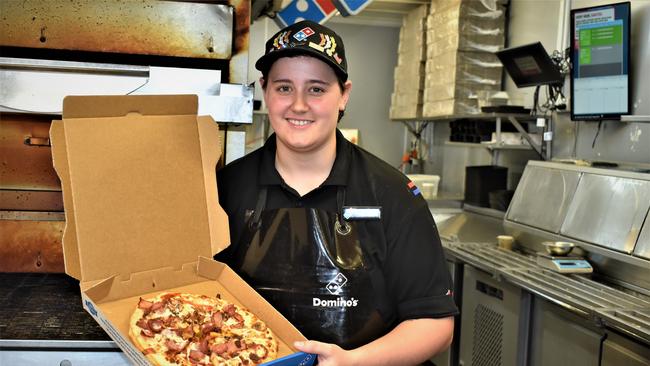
(355, 282)
(304, 100)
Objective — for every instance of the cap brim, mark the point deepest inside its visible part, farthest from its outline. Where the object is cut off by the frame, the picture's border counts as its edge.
(264, 63)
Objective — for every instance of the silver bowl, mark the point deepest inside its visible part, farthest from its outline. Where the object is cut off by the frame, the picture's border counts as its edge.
(559, 248)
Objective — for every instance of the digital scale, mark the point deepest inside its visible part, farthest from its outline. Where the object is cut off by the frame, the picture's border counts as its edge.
(564, 264)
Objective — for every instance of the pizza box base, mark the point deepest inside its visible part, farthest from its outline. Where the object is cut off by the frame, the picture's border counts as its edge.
(112, 302)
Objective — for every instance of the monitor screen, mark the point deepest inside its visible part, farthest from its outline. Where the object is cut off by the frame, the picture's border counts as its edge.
(529, 65)
(600, 58)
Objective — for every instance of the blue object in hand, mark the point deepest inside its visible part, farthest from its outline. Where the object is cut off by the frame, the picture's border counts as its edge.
(296, 359)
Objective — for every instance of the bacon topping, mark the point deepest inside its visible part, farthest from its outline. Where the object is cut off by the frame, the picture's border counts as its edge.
(156, 325)
(145, 305)
(206, 328)
(217, 319)
(231, 347)
(196, 355)
(146, 333)
(175, 347)
(238, 317)
(229, 309)
(219, 348)
(203, 346)
(149, 350)
(157, 306)
(142, 323)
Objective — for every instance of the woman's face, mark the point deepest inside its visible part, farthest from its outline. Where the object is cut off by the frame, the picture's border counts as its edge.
(304, 98)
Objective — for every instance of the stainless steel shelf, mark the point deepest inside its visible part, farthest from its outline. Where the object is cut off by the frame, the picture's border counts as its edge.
(480, 116)
(488, 257)
(633, 322)
(488, 145)
(513, 118)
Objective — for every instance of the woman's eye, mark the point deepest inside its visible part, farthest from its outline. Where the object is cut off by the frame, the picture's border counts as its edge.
(317, 90)
(283, 89)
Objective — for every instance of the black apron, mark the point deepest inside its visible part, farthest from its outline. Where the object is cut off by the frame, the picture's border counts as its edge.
(318, 270)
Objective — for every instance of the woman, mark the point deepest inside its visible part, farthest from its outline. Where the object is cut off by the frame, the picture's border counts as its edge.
(340, 242)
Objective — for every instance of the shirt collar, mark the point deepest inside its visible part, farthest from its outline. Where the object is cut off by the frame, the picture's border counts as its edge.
(337, 177)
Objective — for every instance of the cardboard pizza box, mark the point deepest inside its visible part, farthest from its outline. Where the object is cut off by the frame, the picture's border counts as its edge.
(142, 213)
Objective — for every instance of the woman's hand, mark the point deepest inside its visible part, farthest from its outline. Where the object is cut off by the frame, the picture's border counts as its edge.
(328, 354)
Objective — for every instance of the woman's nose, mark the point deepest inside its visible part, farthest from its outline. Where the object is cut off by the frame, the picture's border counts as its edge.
(299, 103)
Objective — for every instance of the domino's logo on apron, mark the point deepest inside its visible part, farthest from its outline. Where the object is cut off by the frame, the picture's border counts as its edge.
(334, 287)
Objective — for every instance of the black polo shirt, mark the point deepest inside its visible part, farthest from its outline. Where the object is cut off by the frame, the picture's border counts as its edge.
(406, 239)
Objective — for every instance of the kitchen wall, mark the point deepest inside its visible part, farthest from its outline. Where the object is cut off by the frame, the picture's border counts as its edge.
(372, 56)
(622, 142)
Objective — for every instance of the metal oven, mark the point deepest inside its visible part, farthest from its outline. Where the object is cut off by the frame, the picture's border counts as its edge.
(50, 49)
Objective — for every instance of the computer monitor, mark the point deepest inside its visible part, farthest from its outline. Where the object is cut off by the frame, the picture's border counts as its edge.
(530, 65)
(600, 58)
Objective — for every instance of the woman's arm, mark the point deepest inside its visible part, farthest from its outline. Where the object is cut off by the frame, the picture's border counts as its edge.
(410, 343)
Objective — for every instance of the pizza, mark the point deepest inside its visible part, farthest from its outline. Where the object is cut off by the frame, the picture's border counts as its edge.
(187, 329)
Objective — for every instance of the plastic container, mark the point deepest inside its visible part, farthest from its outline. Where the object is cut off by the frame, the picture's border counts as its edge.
(505, 241)
(481, 180)
(427, 183)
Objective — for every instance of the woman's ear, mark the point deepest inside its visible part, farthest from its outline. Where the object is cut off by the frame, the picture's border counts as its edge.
(347, 88)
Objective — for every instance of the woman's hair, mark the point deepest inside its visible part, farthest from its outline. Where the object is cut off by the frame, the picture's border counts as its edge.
(341, 81)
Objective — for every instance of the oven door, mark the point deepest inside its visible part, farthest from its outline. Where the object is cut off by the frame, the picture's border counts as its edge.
(63, 353)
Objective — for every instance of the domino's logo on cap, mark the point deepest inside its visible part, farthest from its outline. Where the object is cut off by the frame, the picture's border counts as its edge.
(303, 34)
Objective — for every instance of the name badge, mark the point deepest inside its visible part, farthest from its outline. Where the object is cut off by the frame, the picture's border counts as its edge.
(351, 213)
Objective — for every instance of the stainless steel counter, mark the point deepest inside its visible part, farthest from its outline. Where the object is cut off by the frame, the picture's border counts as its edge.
(603, 317)
(471, 224)
(607, 306)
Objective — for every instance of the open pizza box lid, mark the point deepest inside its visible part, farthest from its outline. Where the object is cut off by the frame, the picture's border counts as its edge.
(142, 212)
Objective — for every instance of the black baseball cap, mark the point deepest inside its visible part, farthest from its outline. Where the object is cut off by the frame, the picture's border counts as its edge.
(306, 38)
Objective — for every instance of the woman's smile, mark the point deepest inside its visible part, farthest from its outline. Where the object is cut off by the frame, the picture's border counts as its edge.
(299, 122)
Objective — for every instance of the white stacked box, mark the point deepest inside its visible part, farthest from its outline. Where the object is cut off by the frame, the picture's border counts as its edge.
(458, 74)
(406, 100)
(462, 37)
(467, 25)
